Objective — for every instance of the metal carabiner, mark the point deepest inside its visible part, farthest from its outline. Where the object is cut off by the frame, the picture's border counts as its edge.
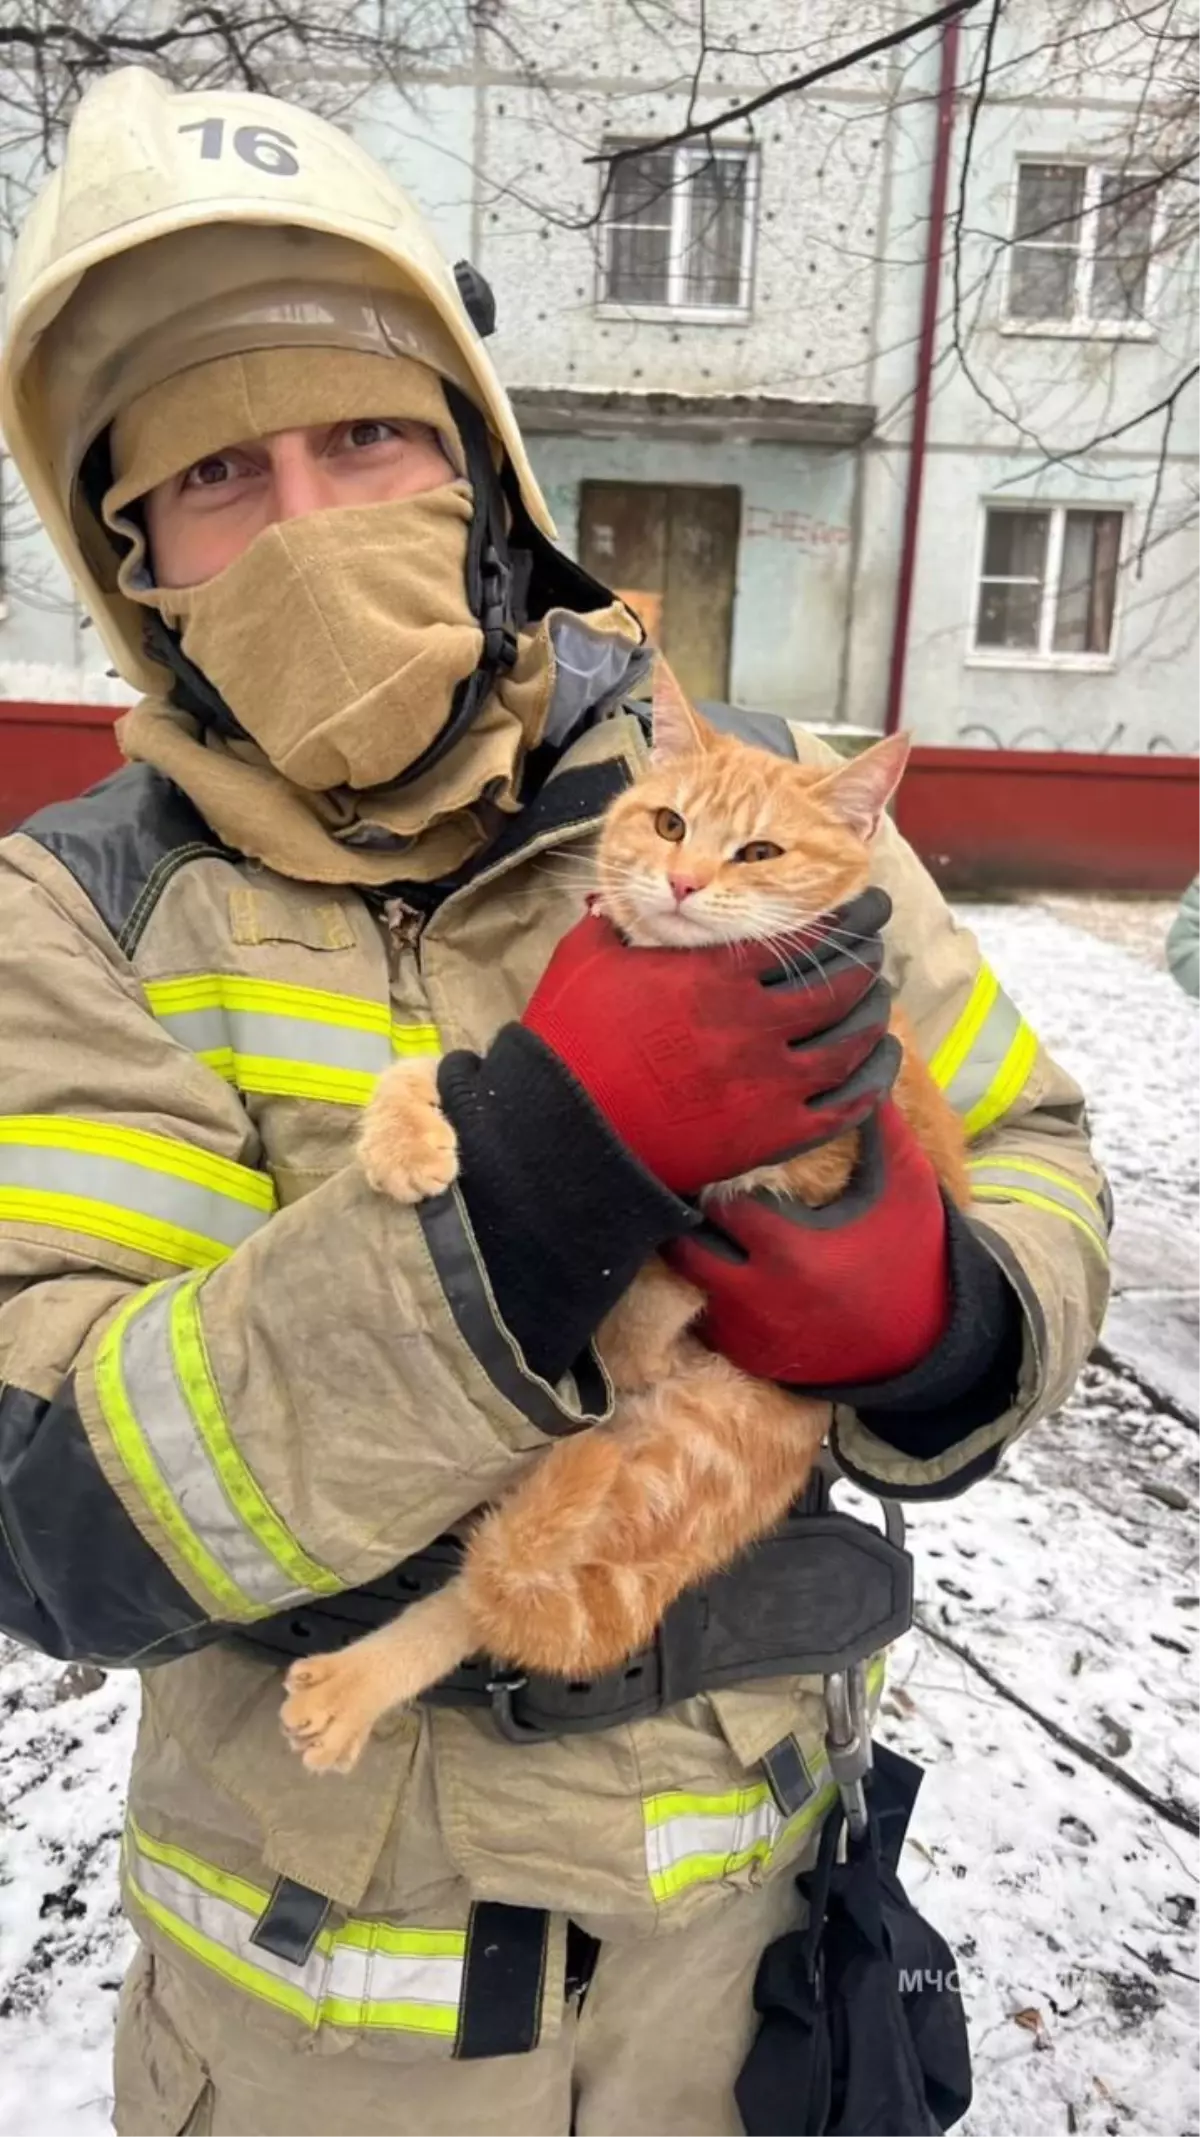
(848, 1741)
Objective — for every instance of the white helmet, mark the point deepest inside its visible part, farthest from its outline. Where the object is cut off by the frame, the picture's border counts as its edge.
(181, 227)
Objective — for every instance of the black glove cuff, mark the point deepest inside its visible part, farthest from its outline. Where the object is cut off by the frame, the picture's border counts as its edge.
(970, 1376)
(563, 1214)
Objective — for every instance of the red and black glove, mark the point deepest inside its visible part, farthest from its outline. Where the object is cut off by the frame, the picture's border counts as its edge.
(885, 1299)
(640, 1075)
(709, 1062)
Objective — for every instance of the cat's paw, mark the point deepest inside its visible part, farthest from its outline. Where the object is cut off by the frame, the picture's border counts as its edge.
(329, 1712)
(406, 1146)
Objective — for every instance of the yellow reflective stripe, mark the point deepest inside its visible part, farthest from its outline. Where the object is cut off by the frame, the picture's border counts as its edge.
(222, 990)
(414, 1039)
(154, 1194)
(241, 1488)
(985, 1059)
(961, 1037)
(675, 1803)
(221, 1883)
(219, 1058)
(434, 2019)
(210, 1914)
(366, 1935)
(303, 1079)
(282, 1041)
(1002, 1165)
(134, 1450)
(103, 1220)
(1010, 1080)
(983, 1193)
(254, 1980)
(138, 1146)
(361, 1932)
(706, 1869)
(679, 1825)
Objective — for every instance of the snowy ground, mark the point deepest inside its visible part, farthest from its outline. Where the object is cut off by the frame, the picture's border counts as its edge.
(1049, 1688)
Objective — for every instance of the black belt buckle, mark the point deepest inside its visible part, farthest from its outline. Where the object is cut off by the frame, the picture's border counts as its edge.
(514, 1731)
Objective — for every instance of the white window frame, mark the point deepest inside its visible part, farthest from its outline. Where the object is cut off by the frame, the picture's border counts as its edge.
(688, 155)
(1080, 326)
(1043, 655)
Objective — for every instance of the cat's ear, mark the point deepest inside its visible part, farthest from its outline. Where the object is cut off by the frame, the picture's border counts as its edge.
(679, 730)
(859, 791)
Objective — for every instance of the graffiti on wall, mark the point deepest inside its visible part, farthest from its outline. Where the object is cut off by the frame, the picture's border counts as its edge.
(1099, 741)
(802, 529)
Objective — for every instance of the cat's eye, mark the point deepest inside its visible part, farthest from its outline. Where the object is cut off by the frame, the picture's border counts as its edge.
(759, 849)
(669, 824)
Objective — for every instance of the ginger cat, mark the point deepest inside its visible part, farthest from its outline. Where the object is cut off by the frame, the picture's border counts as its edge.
(573, 1569)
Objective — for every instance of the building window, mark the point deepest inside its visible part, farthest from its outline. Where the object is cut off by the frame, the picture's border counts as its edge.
(1047, 585)
(1081, 246)
(679, 230)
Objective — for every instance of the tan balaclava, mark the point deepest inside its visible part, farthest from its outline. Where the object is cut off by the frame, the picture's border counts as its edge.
(337, 640)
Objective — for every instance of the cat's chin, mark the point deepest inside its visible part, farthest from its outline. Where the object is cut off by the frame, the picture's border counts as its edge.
(672, 931)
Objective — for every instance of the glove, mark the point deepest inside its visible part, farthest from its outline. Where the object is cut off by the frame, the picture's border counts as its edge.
(709, 1062)
(857, 1291)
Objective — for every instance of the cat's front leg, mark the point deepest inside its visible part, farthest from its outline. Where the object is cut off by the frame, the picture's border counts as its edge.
(639, 1340)
(406, 1145)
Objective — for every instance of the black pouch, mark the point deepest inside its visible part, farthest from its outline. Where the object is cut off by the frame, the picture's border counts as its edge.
(862, 2031)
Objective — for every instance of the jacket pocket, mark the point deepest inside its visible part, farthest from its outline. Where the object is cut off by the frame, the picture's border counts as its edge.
(262, 916)
(161, 2086)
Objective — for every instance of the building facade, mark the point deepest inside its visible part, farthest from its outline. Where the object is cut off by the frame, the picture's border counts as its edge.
(715, 347)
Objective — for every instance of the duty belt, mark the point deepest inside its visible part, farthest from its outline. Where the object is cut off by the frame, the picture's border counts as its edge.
(812, 1599)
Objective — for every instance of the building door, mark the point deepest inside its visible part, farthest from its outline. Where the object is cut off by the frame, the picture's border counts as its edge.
(670, 551)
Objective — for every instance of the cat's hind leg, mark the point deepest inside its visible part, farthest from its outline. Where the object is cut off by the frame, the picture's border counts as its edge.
(334, 1701)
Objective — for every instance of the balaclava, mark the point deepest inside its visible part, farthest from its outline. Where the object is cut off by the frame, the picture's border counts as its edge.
(337, 640)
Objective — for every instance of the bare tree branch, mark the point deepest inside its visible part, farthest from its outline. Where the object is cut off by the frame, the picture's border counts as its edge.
(793, 85)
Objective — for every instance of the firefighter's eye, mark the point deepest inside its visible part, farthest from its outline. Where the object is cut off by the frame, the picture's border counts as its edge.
(669, 824)
(759, 849)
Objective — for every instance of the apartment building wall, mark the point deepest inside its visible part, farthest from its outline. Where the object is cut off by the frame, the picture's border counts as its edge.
(800, 398)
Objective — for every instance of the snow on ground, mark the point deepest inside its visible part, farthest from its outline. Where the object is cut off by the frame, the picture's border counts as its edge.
(1069, 1583)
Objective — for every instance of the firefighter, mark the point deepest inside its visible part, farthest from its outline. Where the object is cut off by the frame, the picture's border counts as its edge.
(245, 1401)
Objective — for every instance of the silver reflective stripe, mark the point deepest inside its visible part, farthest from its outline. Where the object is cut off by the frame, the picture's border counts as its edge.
(986, 1058)
(694, 1839)
(974, 1079)
(354, 1978)
(170, 1429)
(263, 1036)
(163, 1197)
(691, 1842)
(1039, 1186)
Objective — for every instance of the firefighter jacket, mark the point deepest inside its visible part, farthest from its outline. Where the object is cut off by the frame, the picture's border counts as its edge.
(233, 1378)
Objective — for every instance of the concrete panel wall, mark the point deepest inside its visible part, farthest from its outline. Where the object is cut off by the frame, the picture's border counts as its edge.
(793, 557)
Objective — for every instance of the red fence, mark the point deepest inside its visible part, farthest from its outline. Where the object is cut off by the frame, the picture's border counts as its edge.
(981, 819)
(48, 752)
(985, 819)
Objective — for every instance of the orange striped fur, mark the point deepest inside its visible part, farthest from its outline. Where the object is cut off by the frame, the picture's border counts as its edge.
(573, 1568)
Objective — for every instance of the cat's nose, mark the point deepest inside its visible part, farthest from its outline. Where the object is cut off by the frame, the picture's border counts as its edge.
(683, 887)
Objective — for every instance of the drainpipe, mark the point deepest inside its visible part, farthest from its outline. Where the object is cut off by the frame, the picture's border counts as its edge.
(925, 353)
